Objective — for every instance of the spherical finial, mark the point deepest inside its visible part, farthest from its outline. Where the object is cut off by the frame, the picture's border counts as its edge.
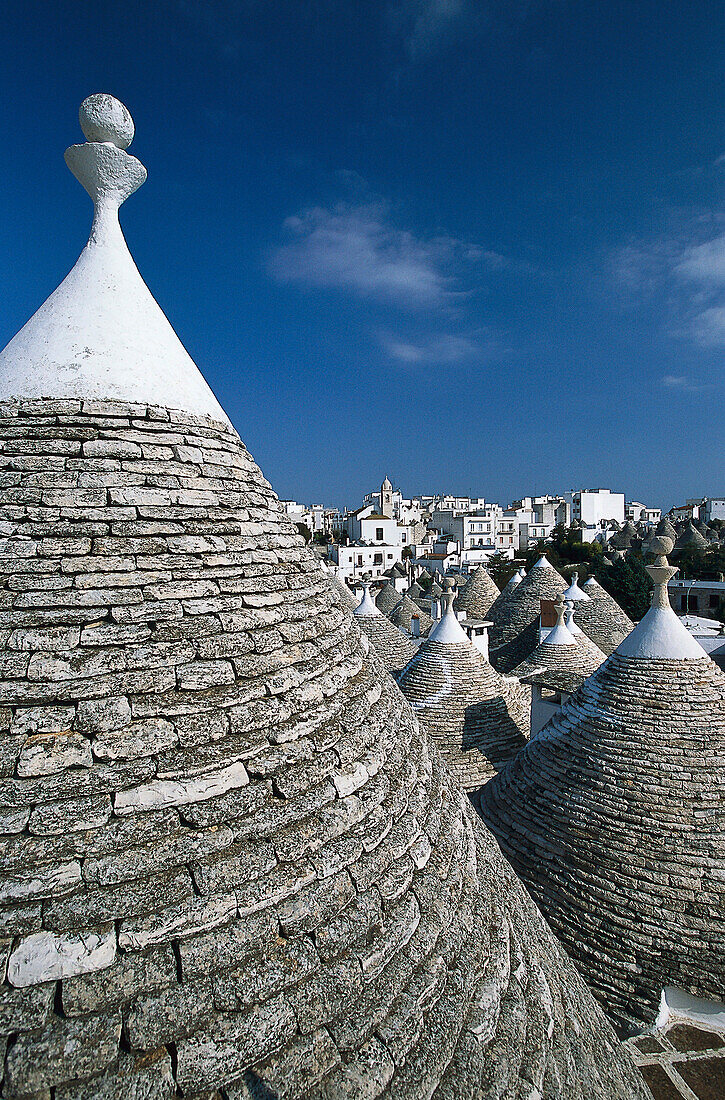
(104, 118)
(661, 546)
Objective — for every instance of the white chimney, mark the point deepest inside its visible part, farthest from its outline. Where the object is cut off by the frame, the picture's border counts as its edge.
(415, 626)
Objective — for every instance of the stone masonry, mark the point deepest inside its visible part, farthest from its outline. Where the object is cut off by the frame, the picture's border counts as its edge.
(229, 860)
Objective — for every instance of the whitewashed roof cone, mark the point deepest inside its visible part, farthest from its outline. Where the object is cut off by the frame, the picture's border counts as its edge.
(448, 630)
(101, 334)
(231, 864)
(559, 635)
(393, 647)
(574, 592)
(515, 580)
(366, 608)
(477, 719)
(661, 633)
(612, 817)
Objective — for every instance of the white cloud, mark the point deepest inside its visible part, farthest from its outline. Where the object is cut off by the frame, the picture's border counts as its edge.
(704, 263)
(356, 248)
(708, 327)
(442, 350)
(683, 383)
(689, 273)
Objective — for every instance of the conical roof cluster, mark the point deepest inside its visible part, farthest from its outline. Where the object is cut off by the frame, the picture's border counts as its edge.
(477, 719)
(230, 862)
(690, 539)
(601, 617)
(515, 614)
(393, 647)
(402, 616)
(625, 538)
(612, 817)
(387, 598)
(562, 651)
(477, 595)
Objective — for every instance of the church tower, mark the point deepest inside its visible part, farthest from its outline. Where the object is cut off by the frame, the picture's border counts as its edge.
(386, 498)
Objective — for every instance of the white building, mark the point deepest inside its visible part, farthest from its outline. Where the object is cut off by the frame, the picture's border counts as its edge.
(714, 508)
(592, 506)
(683, 512)
(637, 512)
(298, 513)
(354, 561)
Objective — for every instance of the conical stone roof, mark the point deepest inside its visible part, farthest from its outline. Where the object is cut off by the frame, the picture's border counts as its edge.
(691, 539)
(393, 647)
(477, 719)
(562, 651)
(348, 598)
(515, 614)
(477, 595)
(601, 617)
(665, 529)
(625, 538)
(229, 860)
(387, 598)
(403, 612)
(612, 817)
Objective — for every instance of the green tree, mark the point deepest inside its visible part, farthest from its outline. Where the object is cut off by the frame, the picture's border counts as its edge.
(502, 568)
(628, 582)
(567, 553)
(700, 565)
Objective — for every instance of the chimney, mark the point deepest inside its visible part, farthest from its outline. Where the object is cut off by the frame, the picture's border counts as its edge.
(415, 626)
(479, 639)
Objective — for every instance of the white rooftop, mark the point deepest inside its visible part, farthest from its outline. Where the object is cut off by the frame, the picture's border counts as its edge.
(574, 592)
(448, 630)
(366, 608)
(101, 334)
(560, 635)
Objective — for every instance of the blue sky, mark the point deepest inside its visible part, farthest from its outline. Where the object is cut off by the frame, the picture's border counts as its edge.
(478, 246)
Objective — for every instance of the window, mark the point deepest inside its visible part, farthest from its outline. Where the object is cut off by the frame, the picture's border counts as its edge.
(713, 601)
(359, 559)
(390, 557)
(379, 534)
(377, 559)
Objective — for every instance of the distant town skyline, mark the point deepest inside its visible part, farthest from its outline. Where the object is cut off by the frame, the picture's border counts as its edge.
(477, 246)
